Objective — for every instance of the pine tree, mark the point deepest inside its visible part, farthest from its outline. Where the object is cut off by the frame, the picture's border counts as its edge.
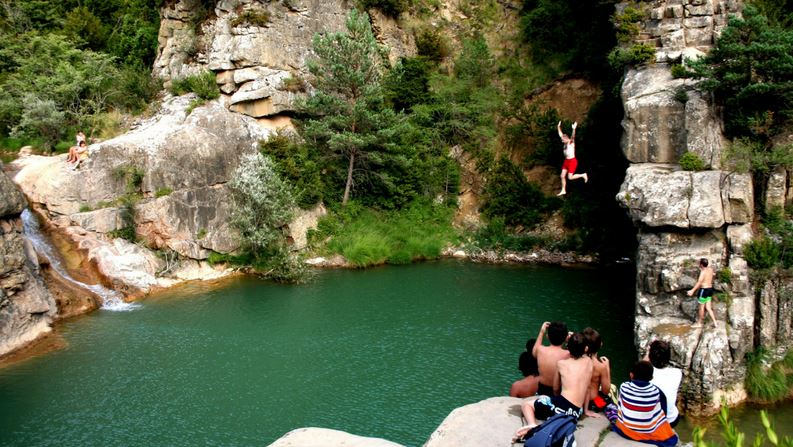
(347, 118)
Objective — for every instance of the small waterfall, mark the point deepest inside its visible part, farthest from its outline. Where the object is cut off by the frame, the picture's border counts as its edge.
(111, 299)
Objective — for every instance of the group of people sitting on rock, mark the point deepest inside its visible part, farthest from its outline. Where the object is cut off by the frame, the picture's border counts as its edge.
(573, 380)
(78, 152)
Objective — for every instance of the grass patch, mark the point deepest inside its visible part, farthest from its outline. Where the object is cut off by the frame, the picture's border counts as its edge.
(769, 383)
(162, 192)
(253, 18)
(204, 85)
(216, 258)
(368, 237)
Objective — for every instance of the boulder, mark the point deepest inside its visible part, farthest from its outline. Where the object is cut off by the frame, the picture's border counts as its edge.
(12, 202)
(661, 195)
(311, 437)
(303, 221)
(493, 422)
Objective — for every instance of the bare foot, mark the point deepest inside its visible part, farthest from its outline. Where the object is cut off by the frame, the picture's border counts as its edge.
(562, 193)
(522, 432)
(696, 325)
(586, 178)
(592, 414)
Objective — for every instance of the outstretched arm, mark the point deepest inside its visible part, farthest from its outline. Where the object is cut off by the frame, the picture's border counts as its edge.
(575, 124)
(559, 129)
(538, 342)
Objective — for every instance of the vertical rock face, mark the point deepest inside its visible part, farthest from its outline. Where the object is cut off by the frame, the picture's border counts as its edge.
(683, 216)
(26, 307)
(258, 49)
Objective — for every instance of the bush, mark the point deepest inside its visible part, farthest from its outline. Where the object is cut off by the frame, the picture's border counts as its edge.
(295, 163)
(691, 162)
(262, 206)
(204, 85)
(162, 192)
(407, 84)
(258, 18)
(431, 45)
(681, 95)
(293, 84)
(679, 71)
(627, 23)
(638, 54)
(762, 253)
(510, 196)
(389, 7)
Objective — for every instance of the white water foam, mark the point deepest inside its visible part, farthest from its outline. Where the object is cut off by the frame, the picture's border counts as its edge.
(111, 300)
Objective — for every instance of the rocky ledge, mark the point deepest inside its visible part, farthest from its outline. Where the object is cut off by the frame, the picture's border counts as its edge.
(489, 423)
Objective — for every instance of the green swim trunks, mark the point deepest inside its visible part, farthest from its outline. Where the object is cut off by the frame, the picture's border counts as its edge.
(705, 295)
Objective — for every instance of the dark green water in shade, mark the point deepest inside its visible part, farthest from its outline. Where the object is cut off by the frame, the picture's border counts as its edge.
(385, 352)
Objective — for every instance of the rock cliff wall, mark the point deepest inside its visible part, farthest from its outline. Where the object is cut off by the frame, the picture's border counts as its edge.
(682, 216)
(26, 307)
(255, 46)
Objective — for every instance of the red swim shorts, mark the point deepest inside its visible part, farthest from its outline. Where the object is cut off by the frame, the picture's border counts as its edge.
(570, 164)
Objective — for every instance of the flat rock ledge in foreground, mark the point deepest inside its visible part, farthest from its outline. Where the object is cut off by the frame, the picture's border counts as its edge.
(489, 423)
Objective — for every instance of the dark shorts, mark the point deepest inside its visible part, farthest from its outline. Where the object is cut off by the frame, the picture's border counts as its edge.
(544, 390)
(570, 165)
(705, 295)
(545, 407)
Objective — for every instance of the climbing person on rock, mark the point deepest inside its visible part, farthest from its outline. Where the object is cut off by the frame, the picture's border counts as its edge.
(573, 378)
(600, 385)
(570, 163)
(549, 356)
(705, 286)
(527, 364)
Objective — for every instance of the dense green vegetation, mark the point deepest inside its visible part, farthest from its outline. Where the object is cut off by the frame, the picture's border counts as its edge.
(64, 64)
(767, 381)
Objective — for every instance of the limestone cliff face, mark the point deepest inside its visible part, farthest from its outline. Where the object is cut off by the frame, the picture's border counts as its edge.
(26, 307)
(253, 58)
(682, 216)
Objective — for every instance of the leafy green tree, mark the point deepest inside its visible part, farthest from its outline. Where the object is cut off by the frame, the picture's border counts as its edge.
(750, 71)
(83, 27)
(347, 117)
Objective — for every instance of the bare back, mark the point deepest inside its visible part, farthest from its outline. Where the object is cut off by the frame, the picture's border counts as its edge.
(601, 377)
(547, 360)
(576, 375)
(706, 278)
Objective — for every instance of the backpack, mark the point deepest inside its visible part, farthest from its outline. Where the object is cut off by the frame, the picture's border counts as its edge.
(557, 431)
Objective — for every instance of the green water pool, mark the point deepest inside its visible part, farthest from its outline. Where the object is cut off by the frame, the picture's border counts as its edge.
(387, 352)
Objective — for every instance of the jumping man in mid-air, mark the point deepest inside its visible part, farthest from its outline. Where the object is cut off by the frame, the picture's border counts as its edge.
(570, 162)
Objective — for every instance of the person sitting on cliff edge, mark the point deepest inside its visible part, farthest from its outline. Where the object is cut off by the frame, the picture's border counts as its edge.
(665, 377)
(570, 163)
(527, 364)
(705, 286)
(549, 356)
(572, 379)
(600, 385)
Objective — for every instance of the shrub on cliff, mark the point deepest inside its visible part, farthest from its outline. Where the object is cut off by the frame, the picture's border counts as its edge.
(263, 205)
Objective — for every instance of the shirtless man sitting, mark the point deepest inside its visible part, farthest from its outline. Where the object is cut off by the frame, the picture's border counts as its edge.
(549, 356)
(705, 286)
(573, 378)
(600, 385)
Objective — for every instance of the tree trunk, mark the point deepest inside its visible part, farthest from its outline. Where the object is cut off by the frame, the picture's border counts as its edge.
(349, 180)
